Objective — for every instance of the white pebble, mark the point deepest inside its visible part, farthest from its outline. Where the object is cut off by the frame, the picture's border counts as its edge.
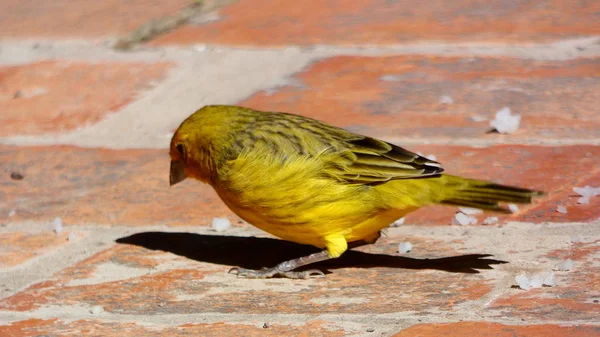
(431, 157)
(523, 281)
(561, 209)
(57, 225)
(12, 213)
(477, 118)
(549, 279)
(398, 223)
(460, 219)
(505, 122)
(71, 237)
(513, 208)
(470, 211)
(490, 220)
(95, 310)
(564, 265)
(463, 219)
(390, 78)
(405, 247)
(220, 224)
(576, 238)
(583, 200)
(200, 48)
(445, 99)
(587, 191)
(536, 281)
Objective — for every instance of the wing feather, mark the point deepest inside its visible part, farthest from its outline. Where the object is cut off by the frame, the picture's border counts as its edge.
(347, 156)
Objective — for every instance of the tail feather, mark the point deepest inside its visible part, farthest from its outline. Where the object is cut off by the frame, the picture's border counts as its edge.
(482, 194)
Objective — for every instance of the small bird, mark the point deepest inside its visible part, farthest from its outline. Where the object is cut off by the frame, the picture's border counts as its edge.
(312, 183)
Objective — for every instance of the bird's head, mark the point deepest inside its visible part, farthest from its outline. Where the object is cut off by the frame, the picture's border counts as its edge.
(197, 144)
(179, 158)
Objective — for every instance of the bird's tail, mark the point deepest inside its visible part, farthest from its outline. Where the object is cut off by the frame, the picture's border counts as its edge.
(481, 194)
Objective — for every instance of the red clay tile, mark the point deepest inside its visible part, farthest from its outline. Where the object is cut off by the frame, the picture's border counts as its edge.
(55, 327)
(381, 22)
(130, 187)
(400, 96)
(193, 278)
(19, 247)
(101, 186)
(56, 96)
(575, 297)
(487, 329)
(80, 18)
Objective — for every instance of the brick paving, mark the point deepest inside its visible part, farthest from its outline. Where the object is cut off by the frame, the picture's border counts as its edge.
(84, 129)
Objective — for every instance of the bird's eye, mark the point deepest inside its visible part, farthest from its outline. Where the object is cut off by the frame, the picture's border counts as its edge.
(181, 150)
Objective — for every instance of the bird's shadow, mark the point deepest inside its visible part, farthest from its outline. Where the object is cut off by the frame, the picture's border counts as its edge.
(256, 253)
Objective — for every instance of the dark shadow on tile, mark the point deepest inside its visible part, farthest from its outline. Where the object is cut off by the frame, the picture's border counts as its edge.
(255, 253)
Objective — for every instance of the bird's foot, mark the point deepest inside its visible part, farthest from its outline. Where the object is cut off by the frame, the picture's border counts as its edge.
(272, 272)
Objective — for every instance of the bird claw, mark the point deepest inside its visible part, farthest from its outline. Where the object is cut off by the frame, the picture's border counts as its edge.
(272, 272)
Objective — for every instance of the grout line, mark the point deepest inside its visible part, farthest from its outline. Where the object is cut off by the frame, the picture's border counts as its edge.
(28, 50)
(156, 27)
(77, 312)
(43, 267)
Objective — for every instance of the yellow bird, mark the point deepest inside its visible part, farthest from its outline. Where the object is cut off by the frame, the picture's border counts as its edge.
(309, 182)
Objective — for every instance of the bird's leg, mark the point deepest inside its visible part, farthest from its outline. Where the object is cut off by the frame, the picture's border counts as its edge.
(286, 268)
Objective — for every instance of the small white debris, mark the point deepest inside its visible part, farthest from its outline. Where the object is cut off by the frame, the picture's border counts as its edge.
(463, 219)
(57, 225)
(477, 118)
(405, 247)
(200, 48)
(587, 191)
(445, 99)
(470, 211)
(12, 213)
(549, 279)
(538, 280)
(398, 223)
(460, 219)
(390, 78)
(576, 239)
(564, 265)
(504, 122)
(561, 209)
(583, 200)
(523, 281)
(72, 237)
(490, 220)
(95, 310)
(220, 224)
(513, 208)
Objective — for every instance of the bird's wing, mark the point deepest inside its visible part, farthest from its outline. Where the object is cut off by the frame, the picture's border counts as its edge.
(358, 159)
(346, 156)
(366, 160)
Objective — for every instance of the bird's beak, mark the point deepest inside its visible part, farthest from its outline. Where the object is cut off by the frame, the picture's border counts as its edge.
(177, 173)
